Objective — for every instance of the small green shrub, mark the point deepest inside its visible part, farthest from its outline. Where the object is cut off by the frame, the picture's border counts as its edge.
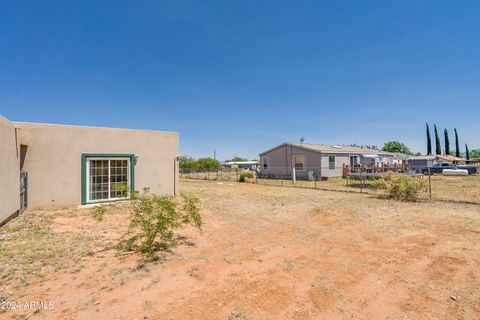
(244, 176)
(401, 187)
(154, 220)
(99, 212)
(121, 189)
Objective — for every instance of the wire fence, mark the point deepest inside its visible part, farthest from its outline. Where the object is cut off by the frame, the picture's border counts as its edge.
(457, 189)
(221, 174)
(356, 182)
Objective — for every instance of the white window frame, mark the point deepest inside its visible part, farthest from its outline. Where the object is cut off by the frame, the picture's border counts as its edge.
(334, 162)
(265, 160)
(303, 162)
(129, 183)
(350, 159)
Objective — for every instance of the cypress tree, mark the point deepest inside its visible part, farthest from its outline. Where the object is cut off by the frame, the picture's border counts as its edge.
(438, 147)
(467, 153)
(447, 142)
(457, 144)
(429, 141)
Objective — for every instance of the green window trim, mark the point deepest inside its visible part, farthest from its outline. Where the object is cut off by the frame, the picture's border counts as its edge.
(85, 156)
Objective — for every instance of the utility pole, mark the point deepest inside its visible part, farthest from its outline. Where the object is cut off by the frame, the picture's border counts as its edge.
(214, 154)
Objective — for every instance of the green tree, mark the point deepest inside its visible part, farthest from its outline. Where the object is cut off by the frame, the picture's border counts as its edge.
(187, 162)
(438, 147)
(467, 153)
(457, 144)
(447, 142)
(207, 163)
(474, 153)
(237, 158)
(396, 146)
(429, 141)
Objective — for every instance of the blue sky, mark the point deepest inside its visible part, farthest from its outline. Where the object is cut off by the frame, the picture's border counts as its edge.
(243, 76)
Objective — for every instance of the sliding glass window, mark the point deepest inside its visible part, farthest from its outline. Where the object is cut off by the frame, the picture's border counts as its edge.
(107, 179)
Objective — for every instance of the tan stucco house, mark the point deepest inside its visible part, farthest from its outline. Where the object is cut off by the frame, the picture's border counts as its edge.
(62, 165)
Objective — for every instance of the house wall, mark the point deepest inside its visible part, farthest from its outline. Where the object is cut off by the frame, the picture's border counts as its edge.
(281, 162)
(312, 161)
(53, 159)
(420, 163)
(390, 159)
(366, 161)
(9, 170)
(277, 162)
(340, 160)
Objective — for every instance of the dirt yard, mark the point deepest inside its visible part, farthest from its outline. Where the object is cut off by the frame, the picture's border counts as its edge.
(265, 253)
(455, 189)
(448, 188)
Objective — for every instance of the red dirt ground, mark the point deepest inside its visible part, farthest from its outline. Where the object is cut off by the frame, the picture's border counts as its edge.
(277, 253)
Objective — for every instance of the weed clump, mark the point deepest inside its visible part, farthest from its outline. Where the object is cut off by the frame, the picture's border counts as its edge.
(401, 187)
(244, 176)
(154, 220)
(98, 213)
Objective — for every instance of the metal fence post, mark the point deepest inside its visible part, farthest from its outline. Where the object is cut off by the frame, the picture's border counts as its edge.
(429, 184)
(361, 182)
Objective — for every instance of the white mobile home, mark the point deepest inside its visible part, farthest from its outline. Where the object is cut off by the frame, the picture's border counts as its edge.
(320, 160)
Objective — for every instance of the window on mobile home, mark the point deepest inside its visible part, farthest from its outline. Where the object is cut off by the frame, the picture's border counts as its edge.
(299, 162)
(331, 162)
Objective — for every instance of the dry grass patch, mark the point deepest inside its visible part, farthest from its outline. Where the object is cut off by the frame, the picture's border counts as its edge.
(28, 245)
(456, 188)
(462, 189)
